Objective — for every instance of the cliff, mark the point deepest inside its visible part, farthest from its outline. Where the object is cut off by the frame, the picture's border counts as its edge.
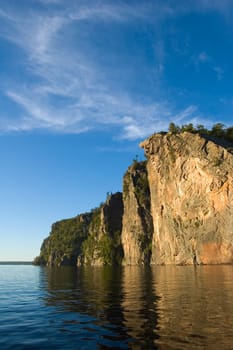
(176, 208)
(191, 188)
(137, 226)
(103, 243)
(92, 238)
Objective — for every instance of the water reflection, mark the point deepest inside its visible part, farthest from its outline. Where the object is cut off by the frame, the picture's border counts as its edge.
(140, 306)
(96, 292)
(195, 307)
(143, 307)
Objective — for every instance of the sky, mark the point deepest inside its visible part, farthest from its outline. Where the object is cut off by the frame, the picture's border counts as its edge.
(82, 83)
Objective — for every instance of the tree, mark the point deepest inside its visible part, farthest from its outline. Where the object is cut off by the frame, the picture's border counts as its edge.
(218, 130)
(173, 128)
(188, 127)
(202, 130)
(229, 134)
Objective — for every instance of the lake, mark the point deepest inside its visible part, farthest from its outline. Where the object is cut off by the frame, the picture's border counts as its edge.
(167, 307)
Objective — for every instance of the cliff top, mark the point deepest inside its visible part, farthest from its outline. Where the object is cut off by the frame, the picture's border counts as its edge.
(195, 140)
(170, 150)
(218, 134)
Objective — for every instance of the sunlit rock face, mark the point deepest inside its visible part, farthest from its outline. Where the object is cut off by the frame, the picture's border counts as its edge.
(176, 208)
(190, 180)
(137, 228)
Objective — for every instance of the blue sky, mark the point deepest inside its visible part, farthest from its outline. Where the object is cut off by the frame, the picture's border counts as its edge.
(82, 83)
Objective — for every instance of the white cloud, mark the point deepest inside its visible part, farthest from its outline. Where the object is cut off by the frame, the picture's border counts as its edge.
(35, 111)
(155, 118)
(66, 90)
(100, 111)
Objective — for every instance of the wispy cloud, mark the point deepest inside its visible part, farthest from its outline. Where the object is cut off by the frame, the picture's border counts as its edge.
(222, 6)
(66, 89)
(50, 1)
(204, 59)
(219, 72)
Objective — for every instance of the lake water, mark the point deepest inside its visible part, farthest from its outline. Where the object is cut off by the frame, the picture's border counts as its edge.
(116, 308)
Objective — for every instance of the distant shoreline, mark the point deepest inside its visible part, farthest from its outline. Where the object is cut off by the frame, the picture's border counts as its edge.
(15, 262)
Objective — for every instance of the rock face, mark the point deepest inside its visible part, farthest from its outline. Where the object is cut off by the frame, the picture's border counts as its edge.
(137, 227)
(64, 243)
(191, 187)
(176, 208)
(92, 238)
(103, 243)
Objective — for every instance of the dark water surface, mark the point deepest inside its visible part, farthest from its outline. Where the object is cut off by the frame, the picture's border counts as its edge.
(116, 308)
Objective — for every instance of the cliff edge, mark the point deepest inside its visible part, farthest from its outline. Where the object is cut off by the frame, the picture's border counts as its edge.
(176, 208)
(191, 188)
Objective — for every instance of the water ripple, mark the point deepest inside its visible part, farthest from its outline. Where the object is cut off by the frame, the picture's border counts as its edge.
(116, 308)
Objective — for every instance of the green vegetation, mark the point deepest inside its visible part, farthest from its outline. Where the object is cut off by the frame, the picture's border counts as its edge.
(218, 130)
(87, 237)
(145, 243)
(95, 220)
(126, 182)
(106, 248)
(138, 172)
(174, 129)
(96, 236)
(88, 248)
(142, 190)
(64, 243)
(110, 250)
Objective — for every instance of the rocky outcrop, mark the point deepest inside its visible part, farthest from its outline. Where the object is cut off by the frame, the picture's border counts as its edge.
(137, 227)
(92, 238)
(103, 243)
(191, 187)
(64, 244)
(176, 208)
